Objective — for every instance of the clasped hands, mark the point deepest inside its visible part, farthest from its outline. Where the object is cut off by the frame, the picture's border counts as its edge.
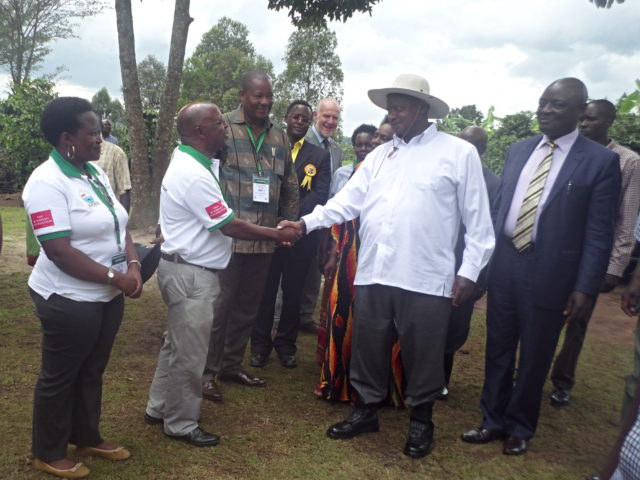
(290, 232)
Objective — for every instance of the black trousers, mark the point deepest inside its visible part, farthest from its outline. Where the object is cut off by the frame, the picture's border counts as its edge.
(289, 266)
(76, 343)
(514, 320)
(384, 314)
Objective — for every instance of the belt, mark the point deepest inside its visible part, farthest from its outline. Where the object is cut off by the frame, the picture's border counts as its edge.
(175, 258)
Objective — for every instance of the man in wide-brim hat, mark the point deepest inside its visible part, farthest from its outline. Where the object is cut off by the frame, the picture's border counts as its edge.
(412, 195)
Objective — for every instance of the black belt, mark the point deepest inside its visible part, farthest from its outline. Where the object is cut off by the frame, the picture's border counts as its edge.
(175, 258)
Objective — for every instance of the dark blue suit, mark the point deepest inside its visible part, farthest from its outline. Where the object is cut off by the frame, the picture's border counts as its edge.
(290, 265)
(527, 292)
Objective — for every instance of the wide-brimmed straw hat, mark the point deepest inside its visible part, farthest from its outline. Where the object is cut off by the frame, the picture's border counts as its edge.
(415, 86)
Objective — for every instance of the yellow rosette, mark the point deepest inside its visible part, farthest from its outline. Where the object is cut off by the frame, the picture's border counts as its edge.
(310, 172)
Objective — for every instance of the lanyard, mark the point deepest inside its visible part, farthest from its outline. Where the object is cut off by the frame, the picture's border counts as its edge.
(258, 147)
(204, 161)
(96, 185)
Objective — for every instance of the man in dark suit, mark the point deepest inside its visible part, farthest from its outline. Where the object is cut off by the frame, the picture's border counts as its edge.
(325, 122)
(290, 265)
(554, 231)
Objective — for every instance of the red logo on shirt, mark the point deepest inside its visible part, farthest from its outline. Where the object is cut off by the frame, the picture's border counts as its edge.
(42, 219)
(216, 210)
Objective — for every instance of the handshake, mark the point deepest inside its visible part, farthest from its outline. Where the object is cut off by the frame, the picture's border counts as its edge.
(291, 232)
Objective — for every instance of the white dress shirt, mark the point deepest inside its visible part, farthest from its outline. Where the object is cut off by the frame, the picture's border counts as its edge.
(560, 153)
(411, 198)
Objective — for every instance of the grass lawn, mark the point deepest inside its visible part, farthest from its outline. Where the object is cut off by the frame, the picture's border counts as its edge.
(279, 432)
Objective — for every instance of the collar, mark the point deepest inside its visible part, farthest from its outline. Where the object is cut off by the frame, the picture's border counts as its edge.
(317, 133)
(423, 137)
(563, 143)
(237, 116)
(197, 155)
(69, 169)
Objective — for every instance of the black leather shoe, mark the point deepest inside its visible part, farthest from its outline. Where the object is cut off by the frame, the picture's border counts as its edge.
(149, 420)
(288, 361)
(515, 446)
(443, 394)
(481, 435)
(559, 397)
(211, 391)
(419, 440)
(243, 378)
(258, 360)
(360, 420)
(198, 438)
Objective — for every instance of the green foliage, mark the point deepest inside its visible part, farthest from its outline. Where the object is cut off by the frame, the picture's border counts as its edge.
(111, 109)
(460, 118)
(214, 71)
(27, 27)
(23, 147)
(152, 75)
(313, 69)
(315, 12)
(626, 130)
(512, 128)
(605, 3)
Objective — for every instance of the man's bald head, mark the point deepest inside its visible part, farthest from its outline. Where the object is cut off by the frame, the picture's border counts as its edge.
(560, 107)
(326, 116)
(477, 137)
(200, 125)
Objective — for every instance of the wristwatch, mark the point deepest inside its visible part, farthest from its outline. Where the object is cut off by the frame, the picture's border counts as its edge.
(110, 276)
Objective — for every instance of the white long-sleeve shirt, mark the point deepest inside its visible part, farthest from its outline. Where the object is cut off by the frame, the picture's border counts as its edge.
(411, 202)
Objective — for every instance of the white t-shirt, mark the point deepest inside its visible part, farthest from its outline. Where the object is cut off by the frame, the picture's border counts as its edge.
(192, 210)
(60, 202)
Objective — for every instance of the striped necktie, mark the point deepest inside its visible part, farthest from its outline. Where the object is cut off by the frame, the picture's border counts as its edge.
(523, 232)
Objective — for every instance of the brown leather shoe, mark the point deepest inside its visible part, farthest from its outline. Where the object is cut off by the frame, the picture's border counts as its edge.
(211, 391)
(243, 378)
(515, 446)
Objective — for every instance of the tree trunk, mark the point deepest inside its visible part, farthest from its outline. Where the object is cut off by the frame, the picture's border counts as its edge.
(162, 142)
(144, 203)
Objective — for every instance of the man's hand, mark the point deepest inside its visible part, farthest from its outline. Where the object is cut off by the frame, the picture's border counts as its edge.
(578, 307)
(609, 283)
(330, 264)
(299, 226)
(630, 300)
(287, 235)
(463, 289)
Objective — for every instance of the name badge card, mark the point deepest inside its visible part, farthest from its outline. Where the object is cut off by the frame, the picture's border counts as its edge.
(260, 189)
(119, 262)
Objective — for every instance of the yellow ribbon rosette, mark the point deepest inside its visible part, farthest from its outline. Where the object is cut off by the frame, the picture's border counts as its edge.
(310, 172)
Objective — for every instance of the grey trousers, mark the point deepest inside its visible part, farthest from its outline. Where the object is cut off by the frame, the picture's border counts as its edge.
(631, 381)
(242, 284)
(176, 391)
(383, 314)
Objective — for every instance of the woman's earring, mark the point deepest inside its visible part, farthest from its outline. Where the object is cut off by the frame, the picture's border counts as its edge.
(71, 153)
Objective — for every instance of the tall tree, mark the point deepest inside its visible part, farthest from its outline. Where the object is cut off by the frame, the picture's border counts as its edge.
(107, 107)
(221, 58)
(146, 176)
(305, 12)
(313, 68)
(23, 147)
(27, 28)
(152, 75)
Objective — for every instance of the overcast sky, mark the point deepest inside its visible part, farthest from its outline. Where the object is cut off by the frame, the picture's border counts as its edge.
(490, 52)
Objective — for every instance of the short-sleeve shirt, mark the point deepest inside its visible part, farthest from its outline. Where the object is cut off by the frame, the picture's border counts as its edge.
(193, 208)
(61, 202)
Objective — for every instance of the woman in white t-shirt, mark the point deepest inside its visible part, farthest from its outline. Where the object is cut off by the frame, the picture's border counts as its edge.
(77, 287)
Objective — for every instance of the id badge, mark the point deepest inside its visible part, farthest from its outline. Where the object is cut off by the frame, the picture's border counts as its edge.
(119, 262)
(260, 189)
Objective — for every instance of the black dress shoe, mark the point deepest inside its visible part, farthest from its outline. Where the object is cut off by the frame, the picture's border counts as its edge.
(258, 360)
(481, 435)
(149, 420)
(211, 391)
(198, 438)
(360, 420)
(419, 440)
(243, 378)
(515, 446)
(559, 397)
(288, 361)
